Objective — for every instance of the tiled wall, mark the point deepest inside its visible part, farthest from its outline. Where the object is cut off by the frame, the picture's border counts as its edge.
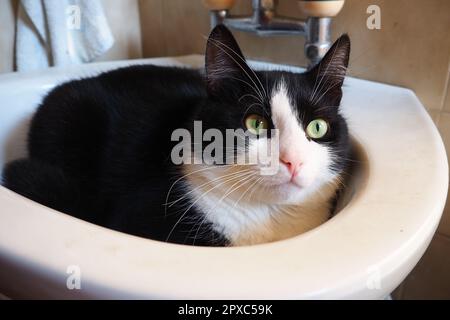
(431, 278)
(412, 49)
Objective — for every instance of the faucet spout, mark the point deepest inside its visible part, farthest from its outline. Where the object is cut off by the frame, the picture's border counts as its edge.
(265, 22)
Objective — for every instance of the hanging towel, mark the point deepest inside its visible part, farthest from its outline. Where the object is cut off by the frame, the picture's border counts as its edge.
(60, 33)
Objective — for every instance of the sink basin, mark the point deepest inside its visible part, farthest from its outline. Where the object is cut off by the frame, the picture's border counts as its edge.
(390, 211)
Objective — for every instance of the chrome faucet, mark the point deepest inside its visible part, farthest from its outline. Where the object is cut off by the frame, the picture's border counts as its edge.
(266, 22)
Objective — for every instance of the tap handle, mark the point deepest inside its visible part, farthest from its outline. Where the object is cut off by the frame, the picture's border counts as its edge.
(218, 5)
(321, 8)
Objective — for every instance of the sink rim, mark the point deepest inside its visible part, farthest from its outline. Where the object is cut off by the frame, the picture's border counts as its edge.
(326, 274)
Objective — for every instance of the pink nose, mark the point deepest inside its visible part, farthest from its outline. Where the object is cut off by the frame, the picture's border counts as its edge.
(292, 164)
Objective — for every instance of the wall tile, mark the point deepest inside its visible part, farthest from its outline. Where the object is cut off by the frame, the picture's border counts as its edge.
(175, 27)
(444, 128)
(430, 279)
(446, 102)
(3, 297)
(408, 51)
(152, 29)
(444, 225)
(397, 294)
(186, 26)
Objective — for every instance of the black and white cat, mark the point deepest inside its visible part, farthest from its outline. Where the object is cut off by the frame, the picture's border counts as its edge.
(99, 149)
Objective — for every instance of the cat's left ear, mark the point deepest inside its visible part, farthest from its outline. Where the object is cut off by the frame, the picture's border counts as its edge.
(225, 64)
(329, 74)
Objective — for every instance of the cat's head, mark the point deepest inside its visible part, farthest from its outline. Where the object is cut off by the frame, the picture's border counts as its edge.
(303, 108)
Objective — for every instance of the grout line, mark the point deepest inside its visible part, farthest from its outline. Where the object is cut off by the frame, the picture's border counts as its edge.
(438, 119)
(3, 297)
(162, 10)
(443, 235)
(400, 290)
(403, 287)
(446, 89)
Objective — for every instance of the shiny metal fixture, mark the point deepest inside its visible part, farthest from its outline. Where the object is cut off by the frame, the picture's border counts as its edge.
(264, 21)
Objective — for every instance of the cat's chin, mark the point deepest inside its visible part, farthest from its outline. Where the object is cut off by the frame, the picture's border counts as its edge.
(290, 191)
(284, 193)
(298, 184)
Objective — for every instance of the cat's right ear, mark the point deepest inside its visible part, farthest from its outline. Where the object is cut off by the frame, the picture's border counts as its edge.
(330, 73)
(225, 62)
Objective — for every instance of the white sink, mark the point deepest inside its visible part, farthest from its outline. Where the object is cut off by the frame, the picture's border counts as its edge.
(395, 201)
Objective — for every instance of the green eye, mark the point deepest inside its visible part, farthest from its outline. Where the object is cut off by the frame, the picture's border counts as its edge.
(317, 129)
(256, 123)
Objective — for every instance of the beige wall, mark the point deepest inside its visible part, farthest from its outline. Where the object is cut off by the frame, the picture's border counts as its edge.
(412, 50)
(123, 16)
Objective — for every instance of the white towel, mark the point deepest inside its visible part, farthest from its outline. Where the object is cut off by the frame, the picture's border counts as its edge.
(60, 32)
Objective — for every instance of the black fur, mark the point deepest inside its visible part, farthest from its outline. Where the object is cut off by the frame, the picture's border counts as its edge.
(99, 148)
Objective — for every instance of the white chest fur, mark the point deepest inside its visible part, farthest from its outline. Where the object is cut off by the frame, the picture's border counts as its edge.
(248, 222)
